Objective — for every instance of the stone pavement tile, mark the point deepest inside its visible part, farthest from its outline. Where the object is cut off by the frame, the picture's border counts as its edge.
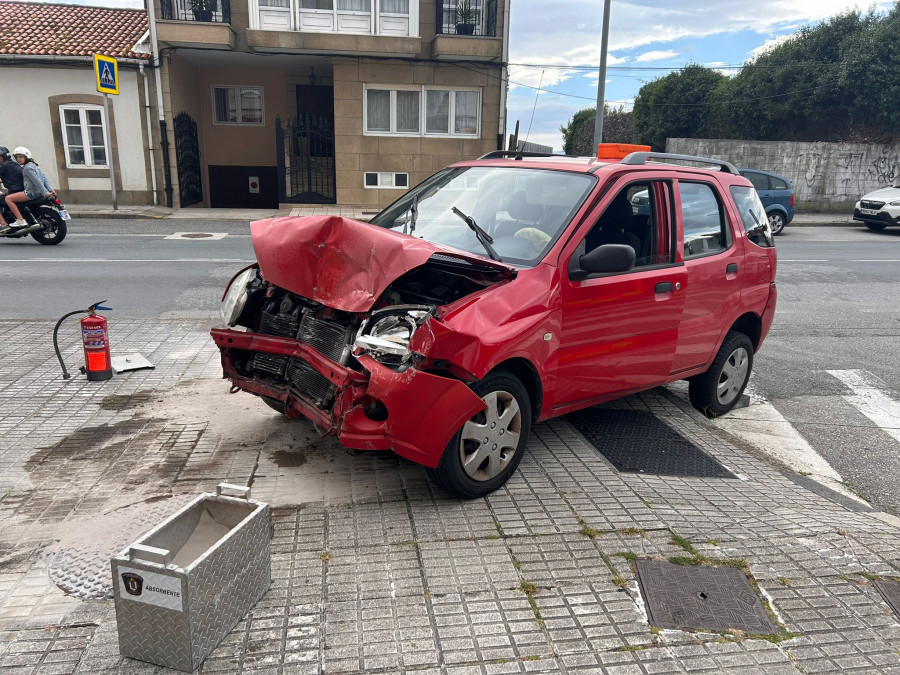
(373, 572)
(446, 518)
(463, 566)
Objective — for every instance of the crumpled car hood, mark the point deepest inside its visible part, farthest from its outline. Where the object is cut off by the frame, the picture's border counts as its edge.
(339, 262)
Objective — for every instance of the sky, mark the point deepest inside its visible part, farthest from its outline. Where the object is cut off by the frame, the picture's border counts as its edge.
(555, 46)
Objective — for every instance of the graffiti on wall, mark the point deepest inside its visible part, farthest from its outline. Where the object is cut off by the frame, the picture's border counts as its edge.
(824, 175)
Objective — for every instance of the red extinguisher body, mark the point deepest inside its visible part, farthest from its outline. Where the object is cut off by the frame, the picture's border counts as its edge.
(95, 337)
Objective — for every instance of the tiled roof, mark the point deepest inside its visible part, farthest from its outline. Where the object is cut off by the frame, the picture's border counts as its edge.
(44, 29)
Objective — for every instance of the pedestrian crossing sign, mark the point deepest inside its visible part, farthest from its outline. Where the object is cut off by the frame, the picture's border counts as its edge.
(107, 72)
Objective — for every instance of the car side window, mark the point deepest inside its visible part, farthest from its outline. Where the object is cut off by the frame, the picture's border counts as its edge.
(758, 180)
(777, 183)
(703, 218)
(638, 216)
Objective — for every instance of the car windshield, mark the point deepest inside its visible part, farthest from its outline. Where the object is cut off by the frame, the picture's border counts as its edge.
(511, 214)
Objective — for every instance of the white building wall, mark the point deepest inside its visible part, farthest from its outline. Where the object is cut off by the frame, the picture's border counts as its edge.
(25, 117)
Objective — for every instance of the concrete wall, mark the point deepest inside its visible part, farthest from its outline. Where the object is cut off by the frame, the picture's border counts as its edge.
(31, 118)
(826, 176)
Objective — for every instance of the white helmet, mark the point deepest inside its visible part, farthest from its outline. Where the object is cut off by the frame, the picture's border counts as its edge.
(22, 150)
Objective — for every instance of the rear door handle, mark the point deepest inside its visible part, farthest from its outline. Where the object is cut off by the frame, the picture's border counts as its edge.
(664, 287)
(731, 269)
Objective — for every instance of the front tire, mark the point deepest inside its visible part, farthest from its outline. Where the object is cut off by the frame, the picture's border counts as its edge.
(274, 404)
(716, 391)
(876, 227)
(486, 451)
(776, 222)
(53, 228)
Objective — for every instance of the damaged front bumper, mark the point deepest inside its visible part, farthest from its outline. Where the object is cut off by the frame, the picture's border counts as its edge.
(413, 412)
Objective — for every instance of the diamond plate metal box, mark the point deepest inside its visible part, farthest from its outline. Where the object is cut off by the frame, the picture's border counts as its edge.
(185, 584)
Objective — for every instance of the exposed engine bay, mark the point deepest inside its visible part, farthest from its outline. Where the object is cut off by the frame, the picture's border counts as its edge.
(383, 333)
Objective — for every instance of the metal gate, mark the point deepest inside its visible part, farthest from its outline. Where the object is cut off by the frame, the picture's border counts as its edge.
(305, 146)
(187, 157)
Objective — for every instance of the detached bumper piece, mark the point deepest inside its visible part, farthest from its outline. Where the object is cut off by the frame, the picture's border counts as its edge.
(412, 412)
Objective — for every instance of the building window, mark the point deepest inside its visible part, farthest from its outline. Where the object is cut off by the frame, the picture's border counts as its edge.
(446, 112)
(381, 179)
(84, 135)
(238, 105)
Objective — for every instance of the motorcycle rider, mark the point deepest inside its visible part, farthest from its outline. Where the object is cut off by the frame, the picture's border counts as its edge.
(10, 172)
(35, 183)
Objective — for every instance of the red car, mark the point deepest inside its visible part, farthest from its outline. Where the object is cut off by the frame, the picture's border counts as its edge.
(502, 292)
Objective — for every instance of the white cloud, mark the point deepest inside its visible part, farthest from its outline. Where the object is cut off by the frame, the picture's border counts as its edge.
(770, 44)
(648, 57)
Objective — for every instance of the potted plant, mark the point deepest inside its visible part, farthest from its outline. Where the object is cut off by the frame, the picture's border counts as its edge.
(465, 18)
(203, 9)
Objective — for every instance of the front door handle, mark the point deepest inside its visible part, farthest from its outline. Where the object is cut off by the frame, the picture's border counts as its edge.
(731, 269)
(664, 287)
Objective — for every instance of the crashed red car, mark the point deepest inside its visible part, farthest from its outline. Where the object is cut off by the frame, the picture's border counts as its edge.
(502, 292)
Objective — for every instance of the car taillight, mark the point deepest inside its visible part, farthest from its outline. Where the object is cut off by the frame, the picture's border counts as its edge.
(792, 200)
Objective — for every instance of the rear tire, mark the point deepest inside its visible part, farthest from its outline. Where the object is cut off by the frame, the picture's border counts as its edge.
(716, 391)
(53, 227)
(776, 222)
(486, 451)
(876, 227)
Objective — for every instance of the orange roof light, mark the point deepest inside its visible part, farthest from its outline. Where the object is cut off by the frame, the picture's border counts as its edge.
(619, 150)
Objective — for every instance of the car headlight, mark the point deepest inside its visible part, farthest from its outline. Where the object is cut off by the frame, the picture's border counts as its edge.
(896, 202)
(385, 335)
(236, 297)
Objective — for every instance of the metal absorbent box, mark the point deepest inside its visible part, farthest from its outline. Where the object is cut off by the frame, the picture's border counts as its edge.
(184, 585)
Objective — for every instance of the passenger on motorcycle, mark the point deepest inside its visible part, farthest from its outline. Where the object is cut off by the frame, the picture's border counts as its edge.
(36, 185)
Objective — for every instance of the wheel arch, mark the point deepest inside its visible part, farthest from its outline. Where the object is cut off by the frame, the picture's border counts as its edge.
(531, 380)
(750, 325)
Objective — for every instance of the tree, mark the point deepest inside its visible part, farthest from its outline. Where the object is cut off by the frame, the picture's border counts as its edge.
(676, 105)
(578, 134)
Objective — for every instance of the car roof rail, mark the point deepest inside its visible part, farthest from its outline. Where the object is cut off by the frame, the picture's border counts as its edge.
(639, 158)
(516, 154)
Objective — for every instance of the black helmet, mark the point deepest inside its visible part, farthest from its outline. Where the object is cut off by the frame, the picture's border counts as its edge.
(4, 152)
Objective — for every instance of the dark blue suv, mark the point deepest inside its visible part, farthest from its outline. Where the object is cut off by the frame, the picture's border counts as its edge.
(776, 194)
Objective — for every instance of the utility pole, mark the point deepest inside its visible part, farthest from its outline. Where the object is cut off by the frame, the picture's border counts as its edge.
(601, 85)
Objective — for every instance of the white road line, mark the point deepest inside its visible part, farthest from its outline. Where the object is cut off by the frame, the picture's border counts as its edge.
(126, 260)
(871, 400)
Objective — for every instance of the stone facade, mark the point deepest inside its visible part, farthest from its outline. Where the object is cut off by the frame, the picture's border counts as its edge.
(826, 176)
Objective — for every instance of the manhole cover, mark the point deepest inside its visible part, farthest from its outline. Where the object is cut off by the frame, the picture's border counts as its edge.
(890, 591)
(196, 235)
(638, 442)
(700, 598)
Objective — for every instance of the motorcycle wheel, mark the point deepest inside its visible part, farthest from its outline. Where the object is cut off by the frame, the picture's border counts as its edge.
(53, 228)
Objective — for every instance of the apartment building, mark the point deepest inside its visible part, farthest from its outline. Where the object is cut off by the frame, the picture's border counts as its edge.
(345, 102)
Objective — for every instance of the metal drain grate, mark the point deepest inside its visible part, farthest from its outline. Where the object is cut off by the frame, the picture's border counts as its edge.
(890, 591)
(689, 597)
(638, 442)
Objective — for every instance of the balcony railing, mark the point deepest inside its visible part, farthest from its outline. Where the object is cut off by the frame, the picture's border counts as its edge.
(451, 17)
(214, 11)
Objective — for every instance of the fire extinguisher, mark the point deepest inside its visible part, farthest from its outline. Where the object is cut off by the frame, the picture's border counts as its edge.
(95, 340)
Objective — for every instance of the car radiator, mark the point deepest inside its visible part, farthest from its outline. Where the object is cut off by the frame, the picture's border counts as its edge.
(329, 338)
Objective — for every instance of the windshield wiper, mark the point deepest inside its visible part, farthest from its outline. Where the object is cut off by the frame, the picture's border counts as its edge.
(413, 214)
(480, 234)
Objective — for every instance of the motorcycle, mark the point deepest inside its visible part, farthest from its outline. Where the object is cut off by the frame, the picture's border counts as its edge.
(46, 218)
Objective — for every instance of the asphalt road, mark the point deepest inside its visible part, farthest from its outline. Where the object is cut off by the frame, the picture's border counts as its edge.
(838, 313)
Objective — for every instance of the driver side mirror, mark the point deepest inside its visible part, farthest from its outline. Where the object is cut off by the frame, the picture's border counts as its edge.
(608, 259)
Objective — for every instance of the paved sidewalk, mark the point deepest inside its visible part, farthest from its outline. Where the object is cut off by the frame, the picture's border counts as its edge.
(377, 571)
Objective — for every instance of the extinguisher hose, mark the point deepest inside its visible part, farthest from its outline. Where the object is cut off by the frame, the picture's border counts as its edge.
(66, 375)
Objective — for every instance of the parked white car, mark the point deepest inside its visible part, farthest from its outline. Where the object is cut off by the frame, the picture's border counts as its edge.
(880, 208)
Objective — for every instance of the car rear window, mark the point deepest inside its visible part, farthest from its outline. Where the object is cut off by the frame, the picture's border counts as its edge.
(778, 184)
(753, 215)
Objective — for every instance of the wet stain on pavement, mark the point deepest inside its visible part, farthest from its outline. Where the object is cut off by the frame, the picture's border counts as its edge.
(128, 401)
(285, 459)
